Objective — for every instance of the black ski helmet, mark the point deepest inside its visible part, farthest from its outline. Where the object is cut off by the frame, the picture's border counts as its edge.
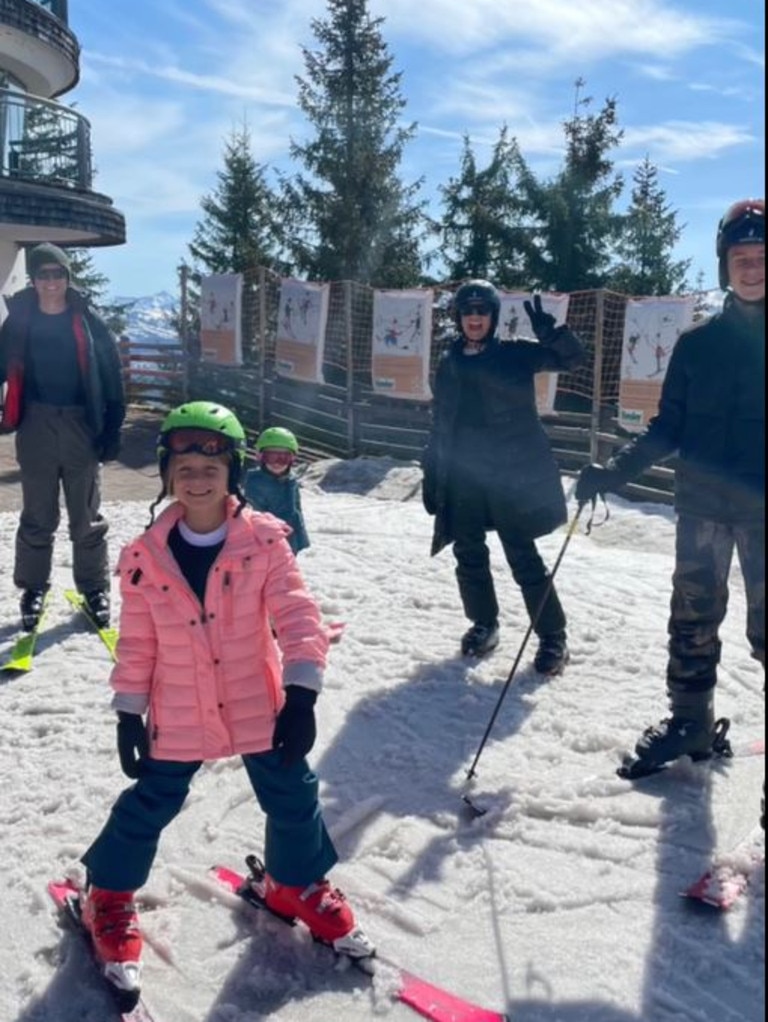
(477, 296)
(742, 224)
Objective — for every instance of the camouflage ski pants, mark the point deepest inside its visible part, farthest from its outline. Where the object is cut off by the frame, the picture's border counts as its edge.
(704, 553)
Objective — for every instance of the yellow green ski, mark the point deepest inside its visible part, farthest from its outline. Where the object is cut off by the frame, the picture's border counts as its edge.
(107, 635)
(19, 660)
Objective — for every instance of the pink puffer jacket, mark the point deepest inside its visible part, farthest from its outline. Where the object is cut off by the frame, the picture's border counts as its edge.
(212, 677)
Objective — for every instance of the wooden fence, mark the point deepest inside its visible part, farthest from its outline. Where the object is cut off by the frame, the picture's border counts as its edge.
(332, 420)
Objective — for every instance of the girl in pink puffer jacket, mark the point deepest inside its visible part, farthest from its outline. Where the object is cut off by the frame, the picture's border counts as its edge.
(221, 653)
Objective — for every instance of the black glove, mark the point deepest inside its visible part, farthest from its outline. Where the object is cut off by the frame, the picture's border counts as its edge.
(132, 743)
(542, 323)
(295, 729)
(594, 480)
(108, 446)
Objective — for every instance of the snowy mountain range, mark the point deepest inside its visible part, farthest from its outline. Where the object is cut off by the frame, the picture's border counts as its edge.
(150, 320)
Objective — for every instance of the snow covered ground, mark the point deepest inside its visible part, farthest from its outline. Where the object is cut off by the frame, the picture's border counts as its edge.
(561, 903)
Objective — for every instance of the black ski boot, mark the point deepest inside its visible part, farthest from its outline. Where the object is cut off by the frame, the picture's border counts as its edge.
(31, 606)
(690, 731)
(480, 639)
(552, 654)
(97, 604)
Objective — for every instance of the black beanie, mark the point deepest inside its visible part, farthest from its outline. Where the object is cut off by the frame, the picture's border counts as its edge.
(44, 254)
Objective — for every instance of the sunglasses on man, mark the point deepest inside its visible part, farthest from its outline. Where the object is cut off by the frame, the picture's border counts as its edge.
(55, 273)
(476, 308)
(197, 441)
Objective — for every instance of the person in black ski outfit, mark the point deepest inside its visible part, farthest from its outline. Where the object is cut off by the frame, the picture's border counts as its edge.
(65, 400)
(488, 465)
(712, 414)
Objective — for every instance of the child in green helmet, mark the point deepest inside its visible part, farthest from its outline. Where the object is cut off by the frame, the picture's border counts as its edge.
(273, 487)
(221, 654)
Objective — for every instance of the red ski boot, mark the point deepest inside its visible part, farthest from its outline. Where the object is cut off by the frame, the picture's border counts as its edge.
(324, 911)
(111, 919)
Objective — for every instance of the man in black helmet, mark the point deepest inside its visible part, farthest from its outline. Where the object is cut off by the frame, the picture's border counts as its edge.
(712, 414)
(64, 398)
(488, 465)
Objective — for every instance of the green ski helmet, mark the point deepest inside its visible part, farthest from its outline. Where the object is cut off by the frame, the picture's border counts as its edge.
(206, 428)
(278, 437)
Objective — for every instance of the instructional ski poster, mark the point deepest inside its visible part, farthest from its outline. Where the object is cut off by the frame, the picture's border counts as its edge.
(514, 322)
(651, 329)
(220, 317)
(301, 319)
(402, 333)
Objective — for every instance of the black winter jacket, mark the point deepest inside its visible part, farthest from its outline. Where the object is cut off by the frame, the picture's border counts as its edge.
(97, 355)
(509, 452)
(712, 414)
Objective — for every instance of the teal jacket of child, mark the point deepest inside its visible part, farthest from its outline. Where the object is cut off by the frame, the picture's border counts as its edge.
(280, 496)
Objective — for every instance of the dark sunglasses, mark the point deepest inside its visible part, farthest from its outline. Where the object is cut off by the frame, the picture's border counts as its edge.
(59, 273)
(476, 309)
(197, 441)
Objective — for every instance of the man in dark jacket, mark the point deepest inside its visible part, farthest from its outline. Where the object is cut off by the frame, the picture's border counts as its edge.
(712, 413)
(488, 465)
(65, 400)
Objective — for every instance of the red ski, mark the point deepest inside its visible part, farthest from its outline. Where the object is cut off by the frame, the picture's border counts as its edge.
(730, 873)
(334, 630)
(426, 999)
(128, 1003)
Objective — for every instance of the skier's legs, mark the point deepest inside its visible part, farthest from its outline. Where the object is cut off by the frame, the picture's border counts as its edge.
(750, 546)
(37, 455)
(703, 555)
(81, 482)
(473, 560)
(122, 855)
(297, 848)
(531, 575)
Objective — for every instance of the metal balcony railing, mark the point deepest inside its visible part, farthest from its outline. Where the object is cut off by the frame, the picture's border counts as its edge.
(46, 19)
(43, 142)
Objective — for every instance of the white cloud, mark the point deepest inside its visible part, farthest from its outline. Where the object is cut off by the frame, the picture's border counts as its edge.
(682, 141)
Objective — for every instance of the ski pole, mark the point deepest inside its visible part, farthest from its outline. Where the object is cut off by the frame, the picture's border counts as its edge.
(523, 644)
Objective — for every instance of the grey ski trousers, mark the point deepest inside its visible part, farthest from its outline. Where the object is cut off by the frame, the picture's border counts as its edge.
(55, 450)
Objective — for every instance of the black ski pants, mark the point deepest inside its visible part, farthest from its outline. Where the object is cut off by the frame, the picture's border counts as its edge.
(704, 553)
(472, 515)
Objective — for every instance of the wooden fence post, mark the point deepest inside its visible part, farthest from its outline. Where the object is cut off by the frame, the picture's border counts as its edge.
(350, 381)
(597, 376)
(262, 360)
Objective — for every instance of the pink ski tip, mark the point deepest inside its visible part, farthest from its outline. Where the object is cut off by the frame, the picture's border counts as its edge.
(440, 1006)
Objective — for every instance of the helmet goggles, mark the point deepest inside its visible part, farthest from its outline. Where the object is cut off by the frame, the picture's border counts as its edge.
(475, 307)
(198, 441)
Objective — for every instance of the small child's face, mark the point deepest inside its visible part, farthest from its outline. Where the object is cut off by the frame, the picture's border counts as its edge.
(276, 460)
(199, 481)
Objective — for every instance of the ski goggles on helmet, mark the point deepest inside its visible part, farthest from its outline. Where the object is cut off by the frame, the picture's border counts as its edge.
(277, 456)
(197, 441)
(745, 208)
(476, 307)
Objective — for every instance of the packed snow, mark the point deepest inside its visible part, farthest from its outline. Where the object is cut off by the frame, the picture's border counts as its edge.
(560, 903)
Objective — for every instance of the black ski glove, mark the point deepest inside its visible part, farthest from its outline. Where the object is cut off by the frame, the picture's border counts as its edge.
(132, 743)
(295, 729)
(542, 323)
(594, 480)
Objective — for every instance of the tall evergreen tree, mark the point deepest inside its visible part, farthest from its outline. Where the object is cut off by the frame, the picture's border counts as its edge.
(353, 218)
(575, 221)
(240, 228)
(481, 229)
(649, 233)
(94, 285)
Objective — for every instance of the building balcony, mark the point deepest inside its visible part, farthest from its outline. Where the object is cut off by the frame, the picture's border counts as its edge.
(46, 176)
(37, 47)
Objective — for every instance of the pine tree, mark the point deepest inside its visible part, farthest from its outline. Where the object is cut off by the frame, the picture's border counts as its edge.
(95, 285)
(482, 231)
(649, 233)
(574, 222)
(240, 229)
(352, 217)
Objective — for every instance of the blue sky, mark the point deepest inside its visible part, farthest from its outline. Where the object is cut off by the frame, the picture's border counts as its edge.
(163, 83)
